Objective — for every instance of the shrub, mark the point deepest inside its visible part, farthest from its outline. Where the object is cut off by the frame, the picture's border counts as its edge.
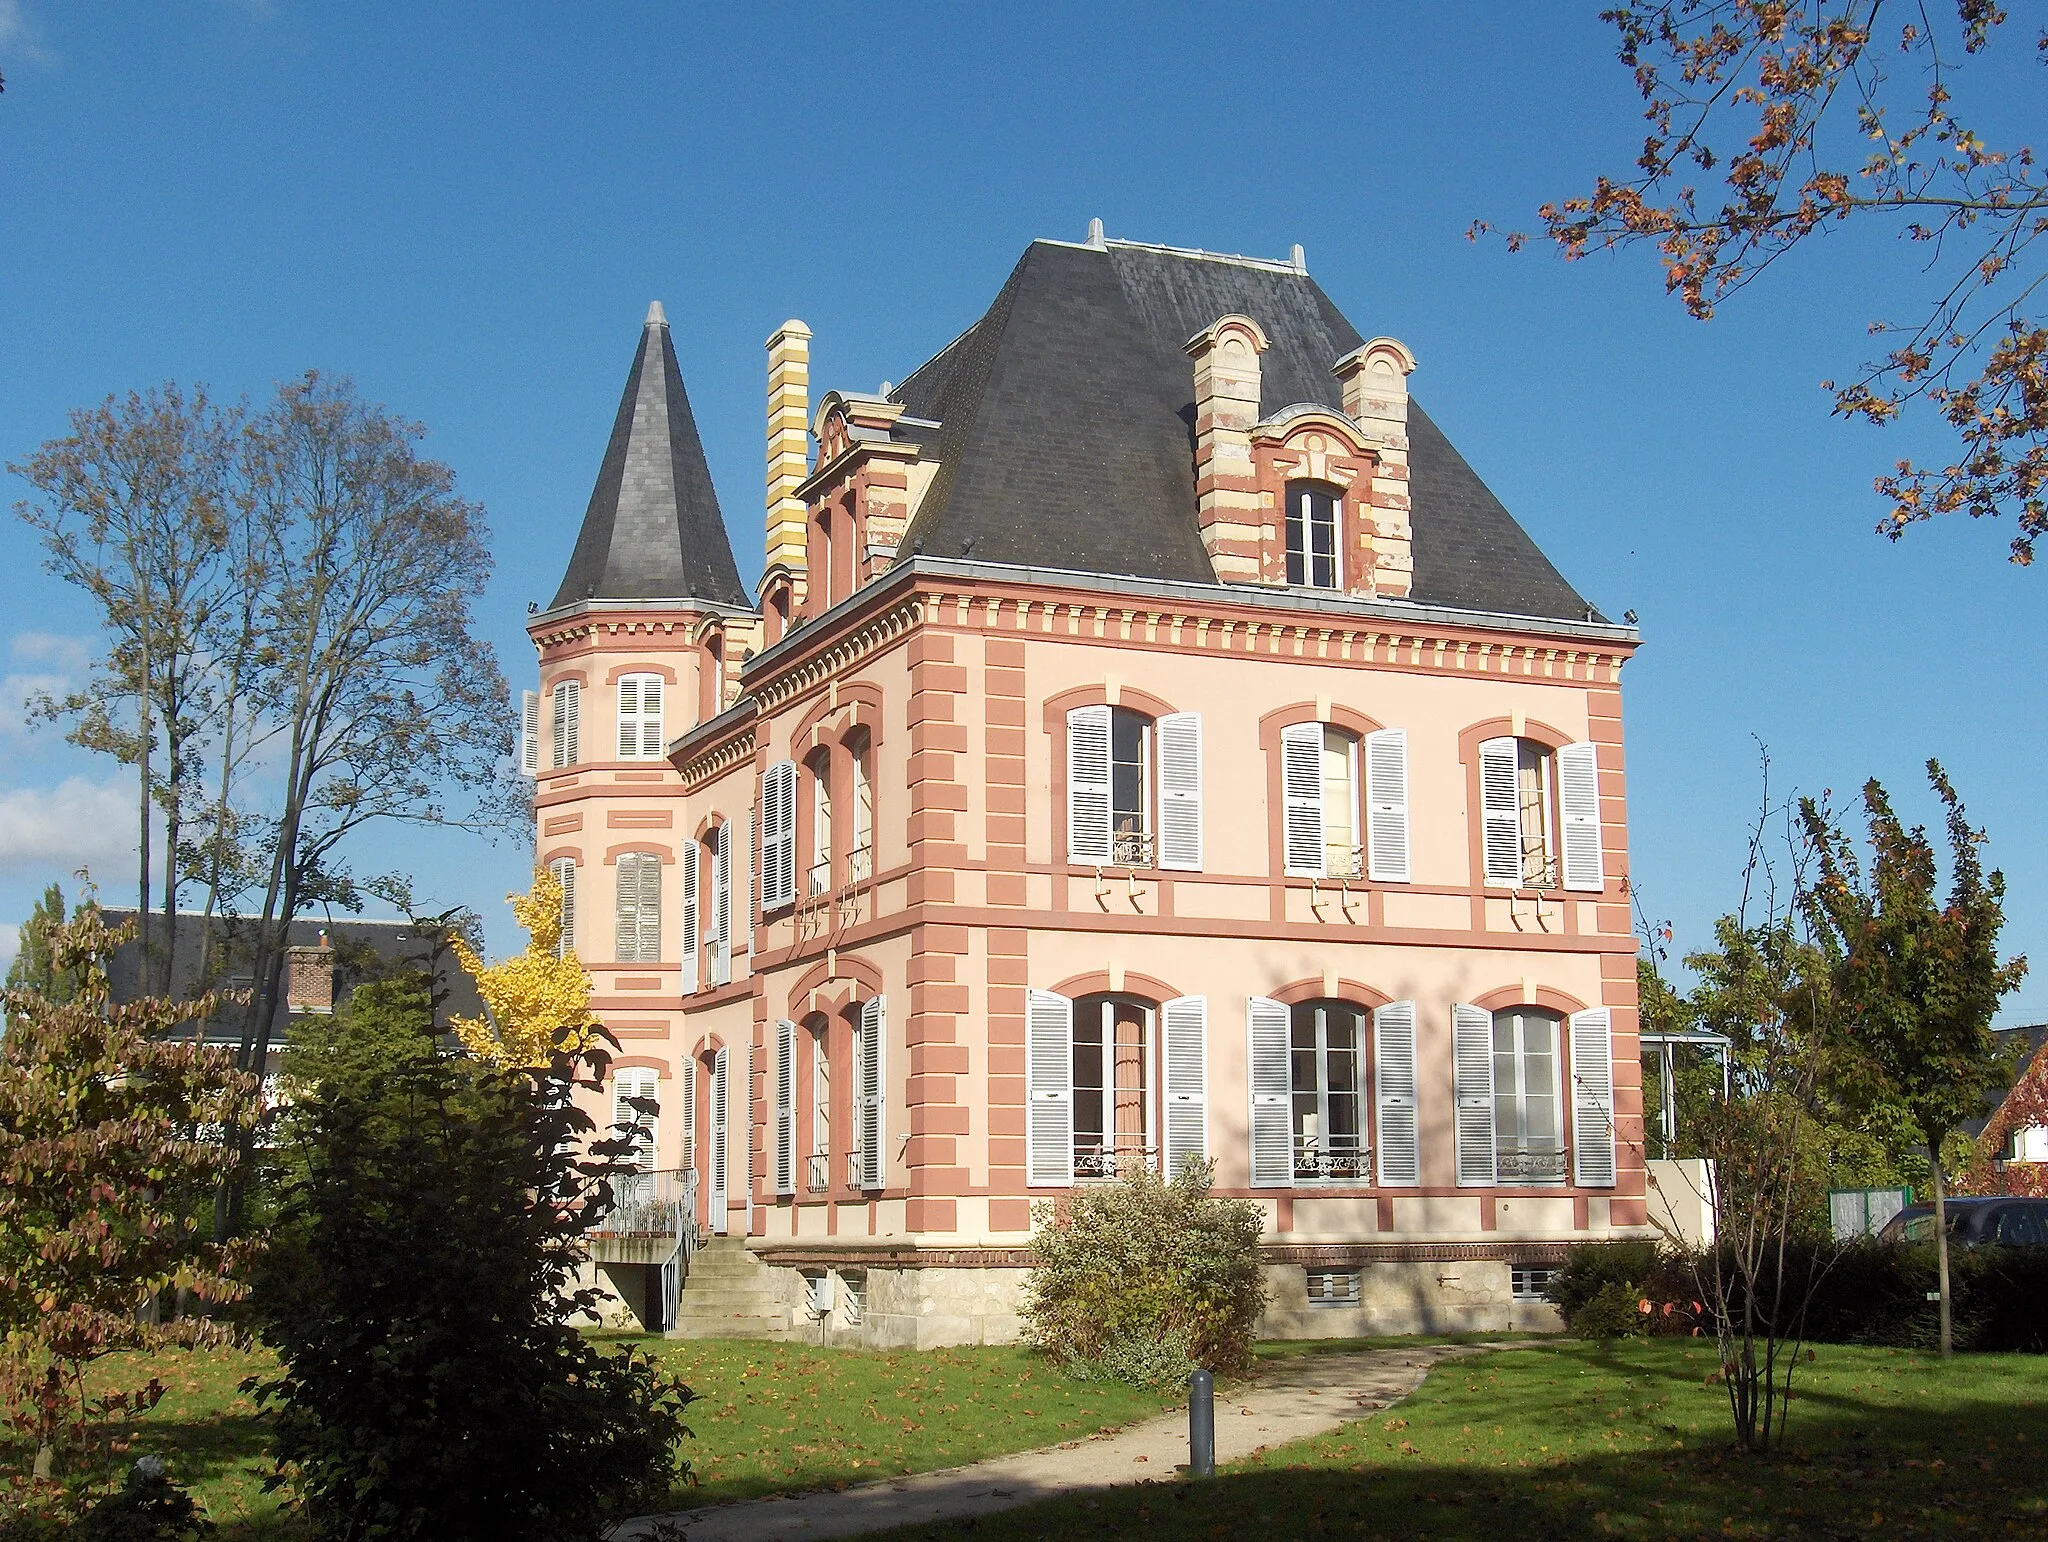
(1142, 1280)
(1610, 1314)
(433, 1384)
(1590, 1267)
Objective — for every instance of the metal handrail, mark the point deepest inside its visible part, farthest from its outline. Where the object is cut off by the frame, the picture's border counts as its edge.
(860, 864)
(819, 881)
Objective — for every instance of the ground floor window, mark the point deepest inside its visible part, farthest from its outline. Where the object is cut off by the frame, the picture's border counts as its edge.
(1528, 1112)
(1333, 1287)
(1112, 1085)
(1529, 1284)
(853, 1297)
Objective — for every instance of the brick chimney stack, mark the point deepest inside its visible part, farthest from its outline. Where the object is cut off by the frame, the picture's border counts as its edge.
(1374, 380)
(1226, 355)
(309, 977)
(789, 445)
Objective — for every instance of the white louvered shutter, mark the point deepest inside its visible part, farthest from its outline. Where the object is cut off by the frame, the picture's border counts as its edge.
(629, 717)
(1500, 806)
(568, 712)
(1048, 1090)
(564, 870)
(873, 1091)
(529, 733)
(1185, 1022)
(651, 744)
(1088, 786)
(1578, 800)
(752, 900)
(689, 915)
(1472, 1057)
(1180, 791)
(720, 927)
(650, 908)
(686, 1090)
(626, 942)
(1593, 1098)
(778, 835)
(1386, 805)
(1301, 799)
(1393, 1065)
(637, 1124)
(721, 1135)
(785, 1106)
(1272, 1095)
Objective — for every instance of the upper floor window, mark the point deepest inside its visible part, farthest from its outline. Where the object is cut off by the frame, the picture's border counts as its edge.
(778, 835)
(861, 856)
(1134, 788)
(1541, 815)
(640, 733)
(638, 912)
(566, 717)
(564, 871)
(1344, 803)
(819, 767)
(1312, 521)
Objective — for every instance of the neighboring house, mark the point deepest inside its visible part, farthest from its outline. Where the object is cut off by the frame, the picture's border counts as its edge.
(325, 961)
(2023, 1143)
(1150, 741)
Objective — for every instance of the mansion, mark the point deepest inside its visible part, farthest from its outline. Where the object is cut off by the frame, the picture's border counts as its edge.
(1149, 741)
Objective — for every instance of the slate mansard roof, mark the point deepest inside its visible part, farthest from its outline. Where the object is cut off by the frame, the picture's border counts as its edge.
(1065, 433)
(653, 530)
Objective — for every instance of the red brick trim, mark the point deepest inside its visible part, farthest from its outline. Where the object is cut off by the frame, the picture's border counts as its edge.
(1347, 990)
(620, 671)
(637, 848)
(1097, 984)
(641, 1063)
(1541, 996)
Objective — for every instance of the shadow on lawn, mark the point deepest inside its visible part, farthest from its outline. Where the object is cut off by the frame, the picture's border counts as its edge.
(1967, 1466)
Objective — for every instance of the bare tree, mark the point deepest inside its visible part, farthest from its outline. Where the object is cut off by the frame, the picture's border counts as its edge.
(135, 511)
(381, 703)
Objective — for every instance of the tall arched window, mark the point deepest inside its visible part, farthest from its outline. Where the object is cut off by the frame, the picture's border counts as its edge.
(818, 772)
(1113, 1084)
(1541, 815)
(861, 855)
(1528, 1104)
(1327, 1070)
(1313, 510)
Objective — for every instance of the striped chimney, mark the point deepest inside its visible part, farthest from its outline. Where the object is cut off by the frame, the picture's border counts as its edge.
(789, 444)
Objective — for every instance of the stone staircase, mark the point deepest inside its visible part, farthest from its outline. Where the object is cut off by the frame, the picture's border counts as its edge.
(726, 1295)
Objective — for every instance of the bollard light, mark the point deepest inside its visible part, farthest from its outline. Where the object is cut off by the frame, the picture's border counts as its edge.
(1201, 1425)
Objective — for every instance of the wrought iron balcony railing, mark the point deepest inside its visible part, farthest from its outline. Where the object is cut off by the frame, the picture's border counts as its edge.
(1324, 1161)
(1527, 1164)
(1130, 848)
(649, 1204)
(818, 1172)
(1112, 1161)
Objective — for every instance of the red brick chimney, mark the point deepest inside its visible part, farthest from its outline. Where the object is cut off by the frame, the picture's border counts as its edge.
(309, 977)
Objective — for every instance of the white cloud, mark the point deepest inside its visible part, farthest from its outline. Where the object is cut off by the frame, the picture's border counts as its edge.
(57, 830)
(18, 36)
(10, 944)
(67, 655)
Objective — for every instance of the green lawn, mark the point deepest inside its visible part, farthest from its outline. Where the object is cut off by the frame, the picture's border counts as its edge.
(1584, 1440)
(771, 1418)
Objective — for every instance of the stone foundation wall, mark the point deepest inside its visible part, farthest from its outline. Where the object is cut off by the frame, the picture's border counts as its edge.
(930, 1307)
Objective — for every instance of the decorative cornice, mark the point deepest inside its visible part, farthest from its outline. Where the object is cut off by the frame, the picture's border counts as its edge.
(719, 756)
(847, 649)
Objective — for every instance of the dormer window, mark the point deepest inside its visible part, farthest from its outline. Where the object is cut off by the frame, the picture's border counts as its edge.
(1312, 511)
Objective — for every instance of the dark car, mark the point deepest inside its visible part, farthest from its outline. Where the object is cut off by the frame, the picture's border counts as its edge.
(1996, 1222)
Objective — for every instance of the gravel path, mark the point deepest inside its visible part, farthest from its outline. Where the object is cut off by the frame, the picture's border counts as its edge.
(1292, 1399)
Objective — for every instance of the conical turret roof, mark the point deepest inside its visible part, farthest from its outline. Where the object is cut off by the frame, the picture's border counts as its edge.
(653, 530)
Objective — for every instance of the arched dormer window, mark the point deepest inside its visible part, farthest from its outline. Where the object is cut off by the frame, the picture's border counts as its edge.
(1314, 516)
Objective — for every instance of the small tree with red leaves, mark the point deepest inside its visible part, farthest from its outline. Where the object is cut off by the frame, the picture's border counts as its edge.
(113, 1138)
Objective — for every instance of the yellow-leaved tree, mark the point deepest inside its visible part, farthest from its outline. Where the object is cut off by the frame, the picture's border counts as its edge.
(536, 1001)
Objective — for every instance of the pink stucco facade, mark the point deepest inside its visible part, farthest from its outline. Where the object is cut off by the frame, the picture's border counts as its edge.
(927, 703)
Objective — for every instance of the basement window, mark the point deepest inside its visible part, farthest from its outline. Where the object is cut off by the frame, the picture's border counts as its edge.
(1530, 1284)
(1333, 1287)
(853, 1298)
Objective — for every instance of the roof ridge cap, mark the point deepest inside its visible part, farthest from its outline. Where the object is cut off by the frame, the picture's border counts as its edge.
(1235, 259)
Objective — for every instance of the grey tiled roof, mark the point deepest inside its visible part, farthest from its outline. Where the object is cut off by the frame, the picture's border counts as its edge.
(653, 530)
(1067, 423)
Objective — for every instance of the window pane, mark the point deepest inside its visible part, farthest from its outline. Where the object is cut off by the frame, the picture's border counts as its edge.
(1128, 735)
(1532, 779)
(1322, 523)
(1297, 540)
(1340, 803)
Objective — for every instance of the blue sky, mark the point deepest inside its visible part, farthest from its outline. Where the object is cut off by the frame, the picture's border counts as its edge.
(468, 209)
